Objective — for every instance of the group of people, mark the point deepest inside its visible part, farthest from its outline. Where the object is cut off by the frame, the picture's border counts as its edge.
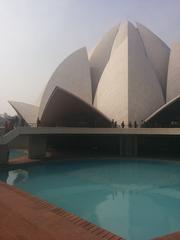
(8, 125)
(13, 122)
(129, 125)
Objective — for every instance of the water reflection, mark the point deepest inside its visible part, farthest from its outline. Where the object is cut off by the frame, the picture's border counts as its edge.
(136, 201)
(16, 176)
(140, 212)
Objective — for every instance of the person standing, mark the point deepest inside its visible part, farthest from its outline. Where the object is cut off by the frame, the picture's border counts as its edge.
(135, 124)
(122, 124)
(130, 124)
(38, 122)
(6, 126)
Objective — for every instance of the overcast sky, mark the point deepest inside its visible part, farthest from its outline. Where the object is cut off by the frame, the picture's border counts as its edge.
(36, 35)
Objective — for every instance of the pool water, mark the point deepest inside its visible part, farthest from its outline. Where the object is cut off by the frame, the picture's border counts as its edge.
(16, 153)
(134, 199)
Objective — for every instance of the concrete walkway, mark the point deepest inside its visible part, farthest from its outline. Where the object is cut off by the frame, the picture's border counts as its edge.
(26, 131)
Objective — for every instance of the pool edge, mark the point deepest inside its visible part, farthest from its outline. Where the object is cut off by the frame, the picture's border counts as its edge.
(95, 231)
(75, 225)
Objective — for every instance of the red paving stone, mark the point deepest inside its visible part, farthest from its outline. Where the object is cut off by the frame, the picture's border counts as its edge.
(173, 236)
(25, 217)
(20, 160)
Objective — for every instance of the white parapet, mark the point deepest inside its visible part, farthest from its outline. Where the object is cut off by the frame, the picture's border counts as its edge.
(173, 83)
(27, 111)
(158, 54)
(100, 57)
(129, 89)
(72, 75)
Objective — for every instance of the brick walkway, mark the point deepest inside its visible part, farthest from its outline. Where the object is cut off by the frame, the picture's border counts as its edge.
(25, 217)
(20, 160)
(173, 236)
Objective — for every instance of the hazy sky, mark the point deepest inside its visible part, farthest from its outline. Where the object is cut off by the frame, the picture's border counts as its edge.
(36, 35)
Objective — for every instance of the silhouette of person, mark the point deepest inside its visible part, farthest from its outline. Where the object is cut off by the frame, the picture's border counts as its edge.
(135, 124)
(122, 124)
(6, 125)
(130, 124)
(112, 123)
(38, 122)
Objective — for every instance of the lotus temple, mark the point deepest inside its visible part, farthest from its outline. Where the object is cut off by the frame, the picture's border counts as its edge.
(131, 75)
(74, 168)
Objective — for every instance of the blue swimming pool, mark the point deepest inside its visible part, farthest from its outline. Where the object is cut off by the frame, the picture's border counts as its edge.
(135, 199)
(17, 153)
